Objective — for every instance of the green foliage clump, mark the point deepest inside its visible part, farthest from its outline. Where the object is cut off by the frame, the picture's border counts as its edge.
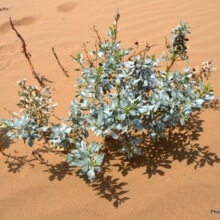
(120, 92)
(36, 108)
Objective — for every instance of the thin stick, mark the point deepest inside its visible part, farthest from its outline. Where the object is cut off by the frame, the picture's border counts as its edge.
(97, 33)
(147, 48)
(87, 56)
(96, 53)
(171, 64)
(62, 68)
(11, 113)
(26, 54)
(77, 61)
(137, 46)
(117, 17)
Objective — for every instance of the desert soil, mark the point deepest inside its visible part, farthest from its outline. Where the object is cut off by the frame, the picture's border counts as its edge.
(178, 180)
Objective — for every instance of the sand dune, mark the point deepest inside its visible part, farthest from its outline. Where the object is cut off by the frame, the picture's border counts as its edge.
(167, 186)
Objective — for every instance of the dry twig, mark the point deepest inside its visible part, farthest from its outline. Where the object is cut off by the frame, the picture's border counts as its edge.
(27, 55)
(97, 33)
(57, 59)
(87, 56)
(11, 113)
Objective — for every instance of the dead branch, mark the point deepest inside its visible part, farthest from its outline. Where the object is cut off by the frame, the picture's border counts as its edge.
(135, 51)
(57, 59)
(75, 59)
(167, 43)
(117, 17)
(96, 52)
(87, 56)
(146, 49)
(11, 113)
(97, 33)
(26, 54)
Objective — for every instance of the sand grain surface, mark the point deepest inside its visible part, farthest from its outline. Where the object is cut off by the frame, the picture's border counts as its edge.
(167, 186)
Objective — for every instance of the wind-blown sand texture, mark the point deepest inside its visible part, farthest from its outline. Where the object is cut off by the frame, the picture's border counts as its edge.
(165, 184)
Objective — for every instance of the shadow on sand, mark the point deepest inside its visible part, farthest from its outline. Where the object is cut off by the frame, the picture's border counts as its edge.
(157, 156)
(14, 162)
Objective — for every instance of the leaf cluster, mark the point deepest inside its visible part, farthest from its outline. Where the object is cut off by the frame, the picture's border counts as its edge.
(36, 107)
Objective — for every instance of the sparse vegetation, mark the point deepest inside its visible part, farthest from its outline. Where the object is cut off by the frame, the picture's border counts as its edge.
(121, 93)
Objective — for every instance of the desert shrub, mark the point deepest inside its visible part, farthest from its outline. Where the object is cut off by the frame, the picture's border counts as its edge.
(121, 92)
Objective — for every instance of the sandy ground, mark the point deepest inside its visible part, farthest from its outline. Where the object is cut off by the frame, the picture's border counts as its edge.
(172, 182)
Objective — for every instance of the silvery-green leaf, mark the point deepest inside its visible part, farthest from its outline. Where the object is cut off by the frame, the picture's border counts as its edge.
(100, 117)
(43, 128)
(182, 121)
(137, 124)
(164, 103)
(114, 102)
(69, 157)
(132, 112)
(97, 169)
(125, 129)
(30, 142)
(113, 134)
(121, 150)
(165, 118)
(91, 174)
(129, 64)
(136, 81)
(165, 96)
(83, 145)
(100, 54)
(186, 69)
(143, 109)
(137, 150)
(174, 94)
(77, 163)
(98, 132)
(95, 147)
(98, 159)
(179, 95)
(147, 61)
(201, 86)
(187, 107)
(83, 170)
(68, 130)
(209, 97)
(89, 119)
(157, 106)
(153, 135)
(118, 127)
(199, 102)
(130, 155)
(190, 91)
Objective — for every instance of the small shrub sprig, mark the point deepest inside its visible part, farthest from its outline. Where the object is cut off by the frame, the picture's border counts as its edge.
(120, 92)
(37, 107)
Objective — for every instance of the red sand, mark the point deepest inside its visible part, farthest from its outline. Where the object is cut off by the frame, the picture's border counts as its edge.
(178, 190)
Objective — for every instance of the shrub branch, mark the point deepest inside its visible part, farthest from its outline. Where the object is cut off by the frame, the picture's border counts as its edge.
(57, 59)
